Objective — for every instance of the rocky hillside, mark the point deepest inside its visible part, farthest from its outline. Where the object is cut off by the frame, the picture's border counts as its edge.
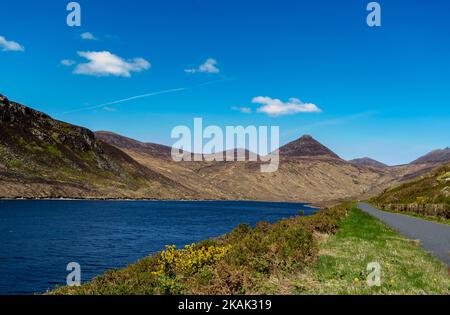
(46, 158)
(427, 195)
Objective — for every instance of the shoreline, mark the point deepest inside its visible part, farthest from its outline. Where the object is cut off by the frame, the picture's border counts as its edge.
(214, 242)
(346, 228)
(307, 204)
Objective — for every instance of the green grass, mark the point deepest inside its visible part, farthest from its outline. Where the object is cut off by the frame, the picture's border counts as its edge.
(53, 150)
(405, 267)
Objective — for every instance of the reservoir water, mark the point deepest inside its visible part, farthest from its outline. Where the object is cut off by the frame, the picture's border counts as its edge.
(39, 238)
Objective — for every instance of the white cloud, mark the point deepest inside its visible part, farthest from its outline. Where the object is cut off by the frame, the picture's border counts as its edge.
(88, 36)
(68, 62)
(209, 66)
(9, 45)
(245, 110)
(104, 63)
(275, 107)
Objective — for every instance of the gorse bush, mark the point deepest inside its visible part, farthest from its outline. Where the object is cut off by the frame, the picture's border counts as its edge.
(240, 262)
(189, 260)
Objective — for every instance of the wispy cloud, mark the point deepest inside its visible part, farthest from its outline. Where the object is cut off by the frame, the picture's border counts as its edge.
(68, 62)
(109, 109)
(9, 45)
(144, 96)
(245, 110)
(209, 66)
(88, 36)
(104, 63)
(329, 122)
(128, 99)
(275, 107)
(223, 79)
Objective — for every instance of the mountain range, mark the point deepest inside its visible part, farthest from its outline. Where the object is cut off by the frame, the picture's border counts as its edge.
(44, 158)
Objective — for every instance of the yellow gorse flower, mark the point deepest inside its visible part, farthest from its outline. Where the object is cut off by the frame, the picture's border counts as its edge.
(190, 259)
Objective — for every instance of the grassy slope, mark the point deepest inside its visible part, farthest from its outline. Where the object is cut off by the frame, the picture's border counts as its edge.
(282, 259)
(426, 196)
(406, 268)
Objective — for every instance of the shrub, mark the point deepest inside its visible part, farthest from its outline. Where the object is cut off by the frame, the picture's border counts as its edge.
(228, 280)
(170, 285)
(189, 260)
(326, 221)
(267, 248)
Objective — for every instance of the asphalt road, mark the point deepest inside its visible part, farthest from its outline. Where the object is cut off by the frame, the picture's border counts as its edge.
(434, 237)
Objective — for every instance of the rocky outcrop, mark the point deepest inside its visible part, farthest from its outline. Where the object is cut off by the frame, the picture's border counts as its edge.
(37, 124)
(11, 112)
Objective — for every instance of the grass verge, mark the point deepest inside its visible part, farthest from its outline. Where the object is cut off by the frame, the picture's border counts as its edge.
(342, 267)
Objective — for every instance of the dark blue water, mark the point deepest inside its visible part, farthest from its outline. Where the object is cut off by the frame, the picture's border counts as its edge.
(39, 238)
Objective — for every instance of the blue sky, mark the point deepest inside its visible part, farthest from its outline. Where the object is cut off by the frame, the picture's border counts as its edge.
(382, 92)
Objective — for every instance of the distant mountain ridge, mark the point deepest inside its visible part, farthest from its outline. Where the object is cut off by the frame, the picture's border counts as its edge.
(436, 156)
(368, 162)
(128, 143)
(44, 158)
(314, 174)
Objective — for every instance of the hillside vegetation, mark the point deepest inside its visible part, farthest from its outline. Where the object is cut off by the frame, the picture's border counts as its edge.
(428, 195)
